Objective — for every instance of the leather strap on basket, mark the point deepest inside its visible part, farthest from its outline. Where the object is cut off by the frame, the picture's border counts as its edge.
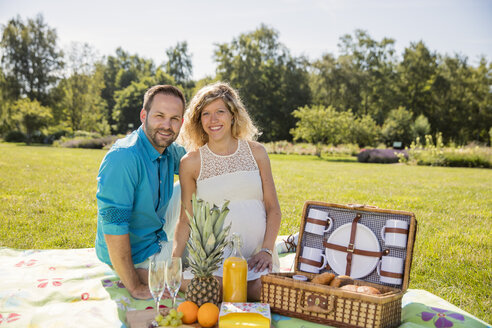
(310, 262)
(391, 274)
(350, 249)
(356, 251)
(396, 230)
(315, 221)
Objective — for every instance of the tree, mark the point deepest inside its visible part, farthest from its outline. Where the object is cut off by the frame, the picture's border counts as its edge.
(421, 127)
(6, 99)
(179, 64)
(479, 102)
(335, 82)
(271, 82)
(365, 131)
(417, 76)
(31, 57)
(374, 64)
(457, 100)
(398, 126)
(81, 106)
(322, 125)
(30, 116)
(362, 79)
(129, 101)
(120, 71)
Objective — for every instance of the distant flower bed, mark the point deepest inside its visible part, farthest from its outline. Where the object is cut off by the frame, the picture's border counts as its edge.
(480, 157)
(91, 142)
(377, 155)
(286, 147)
(434, 153)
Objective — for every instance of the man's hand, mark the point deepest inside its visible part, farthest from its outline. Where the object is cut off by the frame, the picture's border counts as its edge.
(135, 280)
(140, 292)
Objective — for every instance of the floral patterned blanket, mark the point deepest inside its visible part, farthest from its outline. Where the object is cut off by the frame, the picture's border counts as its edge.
(71, 288)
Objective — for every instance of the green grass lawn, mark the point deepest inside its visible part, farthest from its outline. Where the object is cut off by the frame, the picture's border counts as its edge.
(47, 200)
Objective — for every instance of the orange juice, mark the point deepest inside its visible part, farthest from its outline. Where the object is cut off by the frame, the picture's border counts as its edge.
(235, 280)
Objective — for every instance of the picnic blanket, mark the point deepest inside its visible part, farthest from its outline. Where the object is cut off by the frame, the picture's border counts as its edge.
(72, 288)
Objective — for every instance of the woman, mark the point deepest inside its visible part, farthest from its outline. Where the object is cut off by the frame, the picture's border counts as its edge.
(225, 163)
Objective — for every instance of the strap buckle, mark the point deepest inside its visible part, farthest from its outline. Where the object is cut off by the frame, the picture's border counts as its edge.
(350, 248)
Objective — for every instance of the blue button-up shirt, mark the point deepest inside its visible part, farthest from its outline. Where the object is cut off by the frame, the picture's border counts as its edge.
(127, 194)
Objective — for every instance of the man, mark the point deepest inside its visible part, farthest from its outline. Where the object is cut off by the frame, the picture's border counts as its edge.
(135, 184)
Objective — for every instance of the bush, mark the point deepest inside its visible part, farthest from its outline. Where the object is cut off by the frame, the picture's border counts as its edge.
(384, 156)
(398, 126)
(301, 148)
(38, 137)
(55, 135)
(86, 134)
(464, 159)
(32, 117)
(366, 131)
(342, 150)
(321, 125)
(92, 143)
(15, 136)
(435, 154)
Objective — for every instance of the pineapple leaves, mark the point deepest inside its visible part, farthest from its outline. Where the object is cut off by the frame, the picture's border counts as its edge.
(208, 237)
(220, 221)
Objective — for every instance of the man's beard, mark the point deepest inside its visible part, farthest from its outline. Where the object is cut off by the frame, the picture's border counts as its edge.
(152, 135)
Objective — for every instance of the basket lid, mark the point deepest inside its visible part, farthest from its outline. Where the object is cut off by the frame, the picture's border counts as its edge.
(352, 242)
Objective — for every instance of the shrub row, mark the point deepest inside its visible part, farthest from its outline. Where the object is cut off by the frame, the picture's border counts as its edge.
(92, 143)
(37, 137)
(287, 148)
(381, 155)
(479, 157)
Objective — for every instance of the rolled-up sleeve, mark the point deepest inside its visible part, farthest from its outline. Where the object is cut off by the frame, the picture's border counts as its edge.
(179, 152)
(116, 183)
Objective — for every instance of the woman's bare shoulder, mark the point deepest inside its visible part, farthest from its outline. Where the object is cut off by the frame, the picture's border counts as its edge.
(258, 150)
(191, 160)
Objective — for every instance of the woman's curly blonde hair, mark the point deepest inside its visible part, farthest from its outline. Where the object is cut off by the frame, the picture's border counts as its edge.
(192, 135)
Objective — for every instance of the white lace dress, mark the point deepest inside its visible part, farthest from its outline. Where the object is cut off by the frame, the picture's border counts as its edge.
(236, 178)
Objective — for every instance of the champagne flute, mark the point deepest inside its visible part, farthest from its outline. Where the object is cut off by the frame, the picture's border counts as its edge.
(173, 277)
(157, 268)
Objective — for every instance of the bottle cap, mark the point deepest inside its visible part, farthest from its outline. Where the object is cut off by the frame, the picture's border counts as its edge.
(236, 240)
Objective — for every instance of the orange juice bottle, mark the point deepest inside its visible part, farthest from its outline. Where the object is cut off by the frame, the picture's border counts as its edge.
(235, 279)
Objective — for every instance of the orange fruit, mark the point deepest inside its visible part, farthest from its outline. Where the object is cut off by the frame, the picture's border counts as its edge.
(189, 310)
(208, 315)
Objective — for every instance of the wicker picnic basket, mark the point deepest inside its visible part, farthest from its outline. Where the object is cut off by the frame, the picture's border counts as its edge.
(334, 306)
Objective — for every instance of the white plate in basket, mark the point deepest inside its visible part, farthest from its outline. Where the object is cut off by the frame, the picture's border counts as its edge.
(365, 239)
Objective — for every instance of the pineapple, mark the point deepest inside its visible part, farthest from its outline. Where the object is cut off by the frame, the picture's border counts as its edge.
(206, 248)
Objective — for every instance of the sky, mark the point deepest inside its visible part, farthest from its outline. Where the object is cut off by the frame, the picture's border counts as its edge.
(306, 27)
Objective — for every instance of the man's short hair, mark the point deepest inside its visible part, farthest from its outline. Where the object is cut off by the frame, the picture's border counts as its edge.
(164, 89)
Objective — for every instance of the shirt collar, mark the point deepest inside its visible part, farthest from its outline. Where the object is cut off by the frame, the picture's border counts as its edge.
(149, 148)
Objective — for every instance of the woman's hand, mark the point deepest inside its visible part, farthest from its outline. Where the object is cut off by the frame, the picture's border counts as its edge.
(260, 261)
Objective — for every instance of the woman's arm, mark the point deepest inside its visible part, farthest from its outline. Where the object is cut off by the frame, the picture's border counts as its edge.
(263, 260)
(188, 173)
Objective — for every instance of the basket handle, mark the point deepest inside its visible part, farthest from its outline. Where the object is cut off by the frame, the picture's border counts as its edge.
(317, 302)
(362, 206)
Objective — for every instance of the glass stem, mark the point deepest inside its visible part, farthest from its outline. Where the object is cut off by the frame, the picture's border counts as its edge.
(157, 307)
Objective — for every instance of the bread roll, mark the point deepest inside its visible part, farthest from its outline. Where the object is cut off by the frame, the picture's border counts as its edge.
(324, 278)
(361, 289)
(350, 288)
(368, 290)
(341, 281)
